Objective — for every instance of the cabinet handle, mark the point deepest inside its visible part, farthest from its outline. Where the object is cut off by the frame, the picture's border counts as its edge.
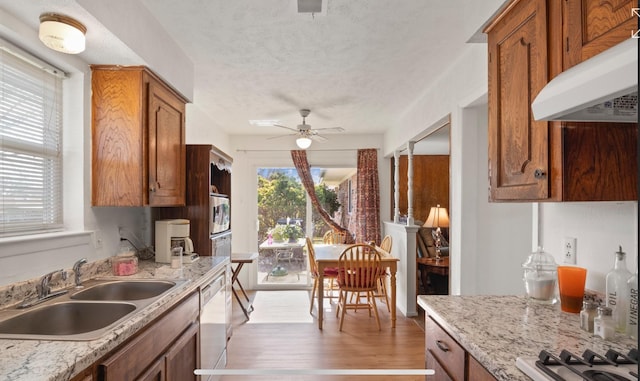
(154, 187)
(539, 174)
(442, 345)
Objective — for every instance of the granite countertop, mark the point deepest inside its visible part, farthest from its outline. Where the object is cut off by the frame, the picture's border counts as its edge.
(61, 360)
(498, 329)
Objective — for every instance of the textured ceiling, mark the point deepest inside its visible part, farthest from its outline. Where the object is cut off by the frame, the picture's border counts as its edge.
(359, 65)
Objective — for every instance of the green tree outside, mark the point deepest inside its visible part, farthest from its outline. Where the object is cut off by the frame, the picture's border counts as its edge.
(281, 195)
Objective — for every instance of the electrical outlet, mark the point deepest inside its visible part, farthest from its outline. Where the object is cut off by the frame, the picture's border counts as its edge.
(569, 250)
(97, 239)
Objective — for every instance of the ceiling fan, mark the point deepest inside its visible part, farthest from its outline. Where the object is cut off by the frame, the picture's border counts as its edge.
(305, 133)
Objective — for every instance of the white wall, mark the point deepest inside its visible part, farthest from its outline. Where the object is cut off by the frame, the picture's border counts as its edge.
(252, 152)
(599, 227)
(487, 241)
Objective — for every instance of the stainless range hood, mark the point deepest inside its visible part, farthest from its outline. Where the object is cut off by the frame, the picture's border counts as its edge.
(603, 88)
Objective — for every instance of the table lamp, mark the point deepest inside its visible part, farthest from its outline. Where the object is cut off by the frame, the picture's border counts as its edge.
(438, 218)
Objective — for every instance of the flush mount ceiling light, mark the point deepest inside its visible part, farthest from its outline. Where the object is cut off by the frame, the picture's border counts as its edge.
(303, 142)
(62, 33)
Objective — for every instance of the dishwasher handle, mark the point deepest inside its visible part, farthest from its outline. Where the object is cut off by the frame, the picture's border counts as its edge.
(210, 290)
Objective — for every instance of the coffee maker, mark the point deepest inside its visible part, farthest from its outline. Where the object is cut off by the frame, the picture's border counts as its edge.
(171, 233)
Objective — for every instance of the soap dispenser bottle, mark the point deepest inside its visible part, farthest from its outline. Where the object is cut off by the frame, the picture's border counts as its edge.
(616, 287)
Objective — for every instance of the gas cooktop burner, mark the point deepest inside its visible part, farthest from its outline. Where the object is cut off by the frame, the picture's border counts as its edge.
(613, 366)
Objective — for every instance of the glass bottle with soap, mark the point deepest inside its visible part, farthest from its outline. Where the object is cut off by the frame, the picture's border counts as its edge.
(616, 290)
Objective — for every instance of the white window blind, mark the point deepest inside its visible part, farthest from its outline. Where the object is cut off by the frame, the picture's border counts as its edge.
(30, 145)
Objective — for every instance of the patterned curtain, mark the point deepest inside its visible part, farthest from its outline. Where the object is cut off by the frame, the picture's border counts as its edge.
(368, 197)
(302, 166)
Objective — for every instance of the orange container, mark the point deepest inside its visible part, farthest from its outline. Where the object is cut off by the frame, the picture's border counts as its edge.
(571, 281)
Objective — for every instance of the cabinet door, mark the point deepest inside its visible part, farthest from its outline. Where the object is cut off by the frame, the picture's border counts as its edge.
(182, 357)
(117, 158)
(167, 149)
(592, 26)
(518, 145)
(449, 354)
(154, 373)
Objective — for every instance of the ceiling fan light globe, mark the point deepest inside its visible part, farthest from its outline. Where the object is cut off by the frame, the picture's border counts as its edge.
(303, 142)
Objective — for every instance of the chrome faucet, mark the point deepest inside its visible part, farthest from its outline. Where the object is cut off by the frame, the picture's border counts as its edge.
(76, 271)
(44, 290)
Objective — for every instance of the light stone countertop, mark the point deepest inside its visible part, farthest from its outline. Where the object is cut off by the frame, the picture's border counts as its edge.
(498, 329)
(36, 360)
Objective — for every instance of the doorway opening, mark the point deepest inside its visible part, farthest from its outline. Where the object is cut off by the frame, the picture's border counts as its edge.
(286, 217)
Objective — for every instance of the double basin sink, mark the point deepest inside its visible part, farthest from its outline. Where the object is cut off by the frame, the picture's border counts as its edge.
(83, 314)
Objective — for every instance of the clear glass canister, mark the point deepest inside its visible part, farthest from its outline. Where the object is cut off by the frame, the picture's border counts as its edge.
(125, 261)
(540, 273)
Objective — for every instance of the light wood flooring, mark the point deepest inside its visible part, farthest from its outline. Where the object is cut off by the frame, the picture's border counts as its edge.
(303, 346)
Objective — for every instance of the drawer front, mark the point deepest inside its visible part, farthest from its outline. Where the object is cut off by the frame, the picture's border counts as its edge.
(440, 373)
(448, 353)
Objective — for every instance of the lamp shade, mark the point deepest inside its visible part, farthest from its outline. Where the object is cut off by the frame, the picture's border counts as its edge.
(438, 218)
(303, 142)
(62, 33)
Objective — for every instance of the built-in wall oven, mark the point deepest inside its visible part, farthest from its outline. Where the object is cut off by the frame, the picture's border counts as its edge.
(213, 324)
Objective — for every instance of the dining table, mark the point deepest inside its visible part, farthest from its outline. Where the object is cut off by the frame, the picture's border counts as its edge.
(327, 256)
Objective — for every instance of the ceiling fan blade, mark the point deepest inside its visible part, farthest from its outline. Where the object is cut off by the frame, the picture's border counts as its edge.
(318, 138)
(281, 136)
(330, 129)
(288, 128)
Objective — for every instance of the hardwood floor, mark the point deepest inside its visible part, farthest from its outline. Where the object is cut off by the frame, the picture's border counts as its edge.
(302, 345)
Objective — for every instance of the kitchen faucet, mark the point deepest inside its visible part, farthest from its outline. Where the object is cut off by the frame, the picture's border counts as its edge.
(44, 290)
(76, 271)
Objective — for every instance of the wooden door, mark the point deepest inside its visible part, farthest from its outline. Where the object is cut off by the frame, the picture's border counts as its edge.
(182, 357)
(154, 373)
(167, 148)
(118, 161)
(592, 26)
(518, 145)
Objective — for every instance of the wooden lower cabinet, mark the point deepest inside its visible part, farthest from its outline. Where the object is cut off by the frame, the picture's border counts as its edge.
(448, 359)
(440, 373)
(167, 350)
(476, 372)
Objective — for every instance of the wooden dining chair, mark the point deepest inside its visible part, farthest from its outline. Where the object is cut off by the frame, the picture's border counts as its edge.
(359, 268)
(382, 281)
(334, 237)
(329, 273)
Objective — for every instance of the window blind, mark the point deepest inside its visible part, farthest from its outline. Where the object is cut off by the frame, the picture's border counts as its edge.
(30, 145)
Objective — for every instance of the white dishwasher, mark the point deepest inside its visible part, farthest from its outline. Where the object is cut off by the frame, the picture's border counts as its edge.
(213, 321)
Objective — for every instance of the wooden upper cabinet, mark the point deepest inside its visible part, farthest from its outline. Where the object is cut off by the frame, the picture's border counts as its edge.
(592, 26)
(138, 139)
(552, 161)
(518, 145)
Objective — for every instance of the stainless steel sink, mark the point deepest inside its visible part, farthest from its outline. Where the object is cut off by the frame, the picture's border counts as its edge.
(124, 290)
(65, 319)
(85, 314)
